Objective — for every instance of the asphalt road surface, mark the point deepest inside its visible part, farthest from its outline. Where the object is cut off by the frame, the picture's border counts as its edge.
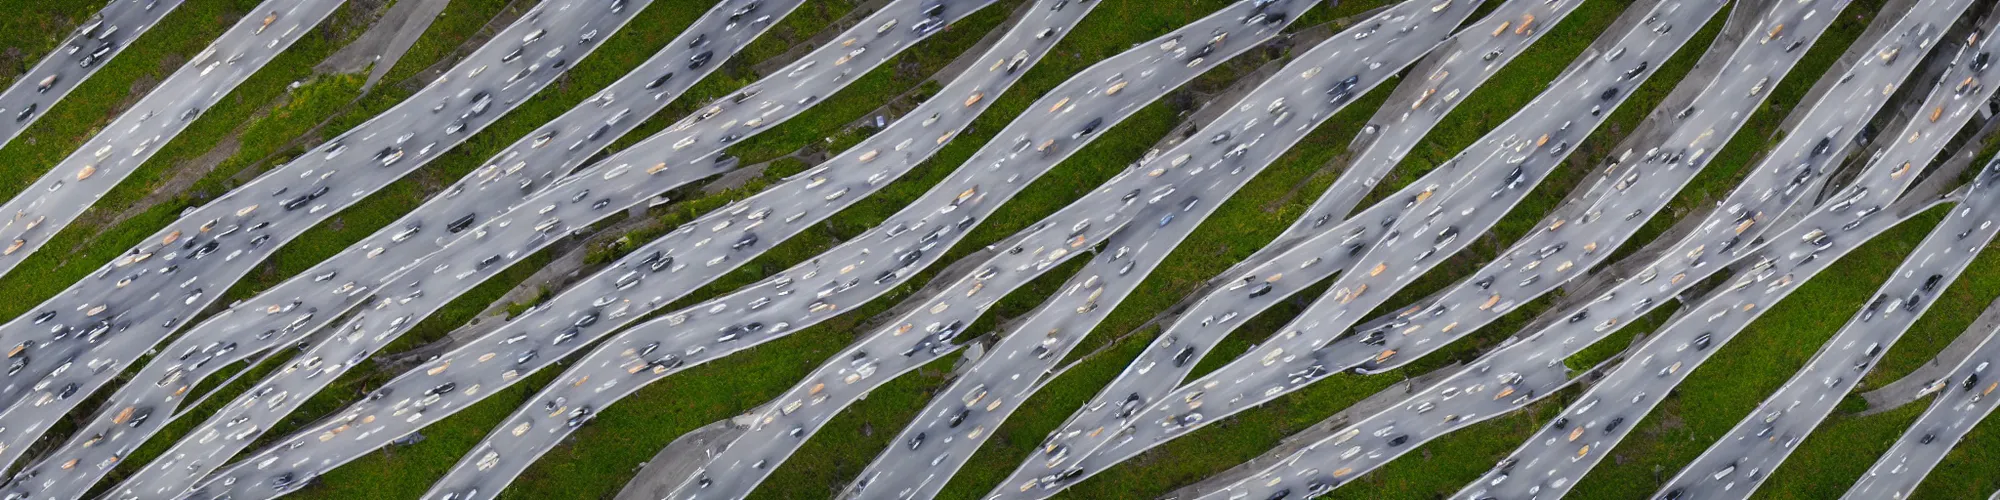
(1067, 116)
(257, 324)
(1769, 434)
(1500, 173)
(1963, 400)
(71, 186)
(1544, 260)
(109, 30)
(1557, 457)
(1399, 126)
(1219, 167)
(834, 57)
(1540, 355)
(53, 338)
(115, 317)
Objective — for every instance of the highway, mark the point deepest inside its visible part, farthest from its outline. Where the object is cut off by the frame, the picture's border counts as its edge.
(1545, 260)
(82, 318)
(119, 147)
(1403, 121)
(255, 325)
(442, 287)
(1962, 402)
(1764, 438)
(93, 44)
(1539, 354)
(115, 317)
(1010, 371)
(1768, 190)
(1067, 116)
(1556, 458)
(1498, 174)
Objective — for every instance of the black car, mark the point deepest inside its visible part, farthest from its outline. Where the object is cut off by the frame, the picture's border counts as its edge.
(460, 224)
(657, 82)
(699, 60)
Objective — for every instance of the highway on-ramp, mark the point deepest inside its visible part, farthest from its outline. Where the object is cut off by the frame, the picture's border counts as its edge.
(94, 43)
(1963, 400)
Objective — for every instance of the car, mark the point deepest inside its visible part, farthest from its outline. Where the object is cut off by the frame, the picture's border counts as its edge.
(1931, 283)
(25, 113)
(459, 224)
(698, 60)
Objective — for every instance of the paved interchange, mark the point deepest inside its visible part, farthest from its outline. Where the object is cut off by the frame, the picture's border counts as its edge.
(71, 345)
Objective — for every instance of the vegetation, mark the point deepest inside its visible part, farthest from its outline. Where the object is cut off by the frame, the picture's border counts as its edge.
(268, 120)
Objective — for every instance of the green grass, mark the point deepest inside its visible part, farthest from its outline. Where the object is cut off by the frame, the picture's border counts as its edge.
(752, 378)
(1967, 471)
(619, 54)
(449, 32)
(1744, 372)
(275, 124)
(1250, 433)
(84, 245)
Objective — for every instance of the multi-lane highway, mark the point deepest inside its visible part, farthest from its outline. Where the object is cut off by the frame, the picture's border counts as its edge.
(112, 318)
(1585, 230)
(1532, 363)
(527, 166)
(1256, 130)
(1057, 126)
(1762, 440)
(1452, 72)
(94, 43)
(1965, 397)
(58, 197)
(837, 61)
(1554, 459)
(1500, 169)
